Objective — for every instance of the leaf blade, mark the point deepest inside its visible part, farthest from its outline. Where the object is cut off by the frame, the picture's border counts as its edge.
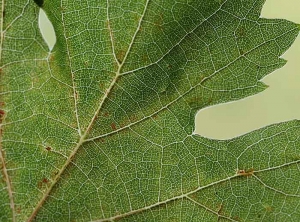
(120, 162)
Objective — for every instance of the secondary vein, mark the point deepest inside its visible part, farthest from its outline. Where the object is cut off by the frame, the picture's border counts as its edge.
(2, 159)
(68, 161)
(185, 195)
(188, 194)
(72, 74)
(200, 84)
(83, 135)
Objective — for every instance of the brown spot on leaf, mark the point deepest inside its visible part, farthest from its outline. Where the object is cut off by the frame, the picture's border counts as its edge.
(220, 209)
(48, 148)
(269, 208)
(76, 95)
(51, 57)
(155, 116)
(72, 158)
(120, 55)
(237, 218)
(113, 126)
(42, 183)
(246, 173)
(2, 113)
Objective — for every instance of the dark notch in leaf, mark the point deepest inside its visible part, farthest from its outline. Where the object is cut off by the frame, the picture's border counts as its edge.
(39, 2)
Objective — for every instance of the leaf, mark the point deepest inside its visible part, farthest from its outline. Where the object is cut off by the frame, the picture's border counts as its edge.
(101, 128)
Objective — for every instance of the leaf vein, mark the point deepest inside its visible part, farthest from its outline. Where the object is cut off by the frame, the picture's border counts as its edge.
(210, 210)
(185, 93)
(2, 159)
(175, 45)
(83, 135)
(185, 195)
(274, 189)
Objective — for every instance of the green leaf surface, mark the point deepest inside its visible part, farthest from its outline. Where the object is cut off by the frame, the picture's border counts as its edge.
(101, 128)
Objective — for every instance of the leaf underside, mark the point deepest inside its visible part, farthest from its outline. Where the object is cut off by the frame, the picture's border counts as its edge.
(101, 128)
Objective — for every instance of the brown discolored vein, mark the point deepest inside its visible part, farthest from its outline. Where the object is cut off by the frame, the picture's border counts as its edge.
(2, 117)
(217, 213)
(85, 133)
(7, 179)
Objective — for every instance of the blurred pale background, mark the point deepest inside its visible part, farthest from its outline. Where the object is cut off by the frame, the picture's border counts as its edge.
(280, 102)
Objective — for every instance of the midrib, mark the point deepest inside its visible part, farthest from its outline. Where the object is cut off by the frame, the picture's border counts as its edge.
(103, 99)
(83, 136)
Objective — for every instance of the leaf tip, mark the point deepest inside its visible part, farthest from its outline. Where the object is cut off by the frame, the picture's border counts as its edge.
(263, 86)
